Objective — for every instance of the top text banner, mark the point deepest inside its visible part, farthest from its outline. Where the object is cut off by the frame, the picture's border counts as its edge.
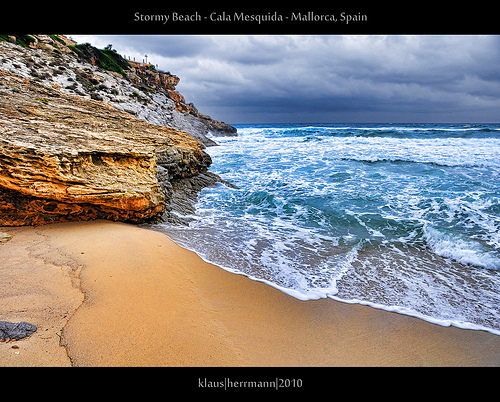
(337, 17)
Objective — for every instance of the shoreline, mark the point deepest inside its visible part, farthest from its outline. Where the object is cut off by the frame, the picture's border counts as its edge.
(327, 295)
(111, 294)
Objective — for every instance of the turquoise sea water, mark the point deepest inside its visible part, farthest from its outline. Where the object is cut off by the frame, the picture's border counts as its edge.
(403, 217)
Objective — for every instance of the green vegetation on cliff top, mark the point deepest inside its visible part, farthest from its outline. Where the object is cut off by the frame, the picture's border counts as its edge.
(107, 58)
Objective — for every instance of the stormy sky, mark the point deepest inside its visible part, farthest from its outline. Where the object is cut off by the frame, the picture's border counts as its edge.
(322, 79)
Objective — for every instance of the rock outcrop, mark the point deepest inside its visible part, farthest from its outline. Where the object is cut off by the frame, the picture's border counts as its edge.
(64, 158)
(84, 135)
(148, 78)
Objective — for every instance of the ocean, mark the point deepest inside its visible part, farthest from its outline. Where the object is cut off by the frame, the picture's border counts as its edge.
(401, 217)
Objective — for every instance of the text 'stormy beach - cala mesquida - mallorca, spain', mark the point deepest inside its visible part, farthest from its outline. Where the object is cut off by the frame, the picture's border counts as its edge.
(320, 201)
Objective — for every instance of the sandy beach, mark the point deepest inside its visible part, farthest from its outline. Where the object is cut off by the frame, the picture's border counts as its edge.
(113, 294)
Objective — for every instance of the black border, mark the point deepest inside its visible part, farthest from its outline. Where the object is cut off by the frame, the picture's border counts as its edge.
(391, 18)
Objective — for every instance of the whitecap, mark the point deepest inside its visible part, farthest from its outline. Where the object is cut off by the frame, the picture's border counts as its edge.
(463, 250)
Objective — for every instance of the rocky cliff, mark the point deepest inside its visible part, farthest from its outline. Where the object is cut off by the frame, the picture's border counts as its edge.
(81, 69)
(149, 79)
(67, 156)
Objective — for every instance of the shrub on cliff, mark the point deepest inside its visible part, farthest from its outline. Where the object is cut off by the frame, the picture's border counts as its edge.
(107, 58)
(22, 40)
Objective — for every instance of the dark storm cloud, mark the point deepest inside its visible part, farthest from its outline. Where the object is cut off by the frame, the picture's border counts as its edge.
(328, 78)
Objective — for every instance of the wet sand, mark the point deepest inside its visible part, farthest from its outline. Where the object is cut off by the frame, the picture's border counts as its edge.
(112, 294)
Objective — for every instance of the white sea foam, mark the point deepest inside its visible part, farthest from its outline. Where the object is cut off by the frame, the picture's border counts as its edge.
(463, 250)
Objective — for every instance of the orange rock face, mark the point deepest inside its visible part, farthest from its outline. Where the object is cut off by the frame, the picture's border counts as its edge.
(66, 158)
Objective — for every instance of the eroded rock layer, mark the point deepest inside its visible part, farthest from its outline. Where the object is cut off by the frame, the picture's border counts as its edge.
(65, 157)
